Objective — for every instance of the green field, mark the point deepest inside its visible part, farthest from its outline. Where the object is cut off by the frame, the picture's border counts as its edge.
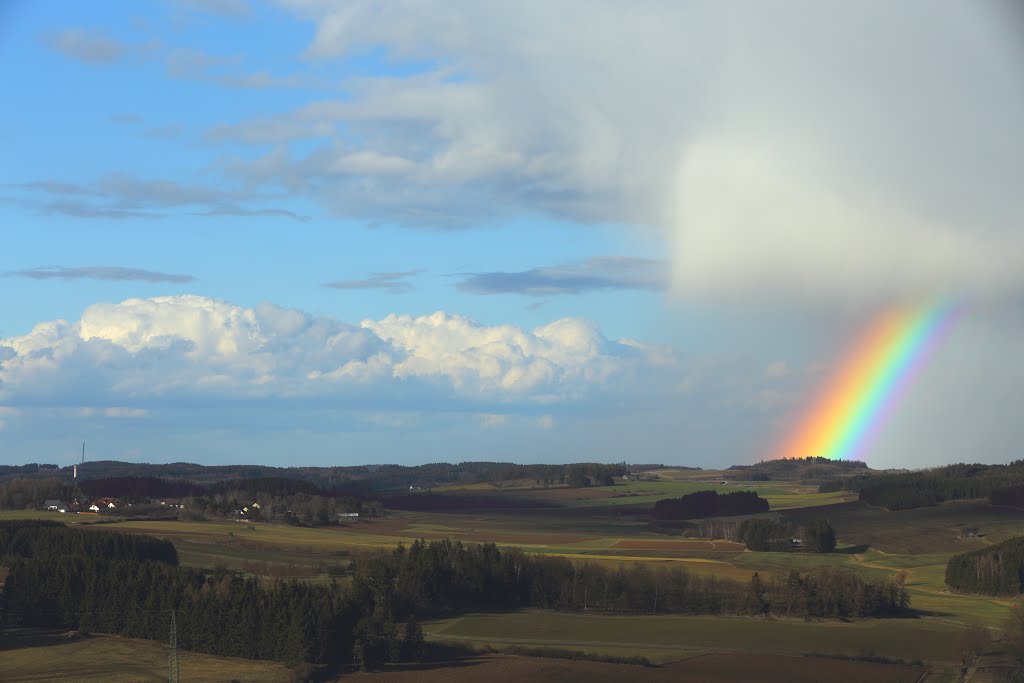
(48, 655)
(706, 668)
(670, 484)
(39, 514)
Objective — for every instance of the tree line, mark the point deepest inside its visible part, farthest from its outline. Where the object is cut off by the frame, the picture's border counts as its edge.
(45, 540)
(19, 493)
(709, 504)
(140, 489)
(995, 570)
(776, 535)
(30, 468)
(297, 508)
(222, 614)
(448, 574)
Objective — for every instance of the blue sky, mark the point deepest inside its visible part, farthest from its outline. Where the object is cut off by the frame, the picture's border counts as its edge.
(338, 233)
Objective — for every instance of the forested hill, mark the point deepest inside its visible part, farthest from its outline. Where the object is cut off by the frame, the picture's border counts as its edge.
(906, 490)
(803, 469)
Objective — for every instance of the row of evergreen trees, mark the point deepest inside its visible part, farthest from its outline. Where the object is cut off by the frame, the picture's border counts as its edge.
(709, 504)
(437, 577)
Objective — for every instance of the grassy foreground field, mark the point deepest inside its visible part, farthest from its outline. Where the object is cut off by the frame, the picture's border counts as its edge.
(904, 639)
(47, 655)
(711, 668)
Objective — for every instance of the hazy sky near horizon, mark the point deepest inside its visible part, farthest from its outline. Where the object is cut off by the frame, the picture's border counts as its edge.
(318, 232)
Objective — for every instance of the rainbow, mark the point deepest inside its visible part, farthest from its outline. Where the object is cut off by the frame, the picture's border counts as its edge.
(856, 400)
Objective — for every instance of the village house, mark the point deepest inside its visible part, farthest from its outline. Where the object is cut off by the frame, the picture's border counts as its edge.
(250, 509)
(54, 504)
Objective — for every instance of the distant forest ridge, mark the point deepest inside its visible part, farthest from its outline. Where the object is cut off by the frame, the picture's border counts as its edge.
(181, 479)
(1001, 484)
(352, 480)
(391, 476)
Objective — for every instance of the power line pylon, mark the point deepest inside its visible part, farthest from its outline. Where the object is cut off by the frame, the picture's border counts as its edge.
(172, 665)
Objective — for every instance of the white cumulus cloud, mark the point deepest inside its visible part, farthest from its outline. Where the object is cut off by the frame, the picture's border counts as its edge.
(145, 350)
